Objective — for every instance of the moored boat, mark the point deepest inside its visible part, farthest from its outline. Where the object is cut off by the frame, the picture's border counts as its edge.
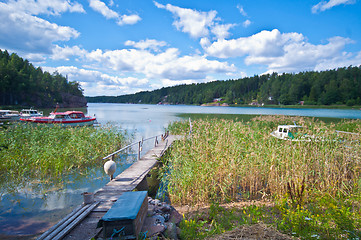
(9, 115)
(27, 113)
(68, 118)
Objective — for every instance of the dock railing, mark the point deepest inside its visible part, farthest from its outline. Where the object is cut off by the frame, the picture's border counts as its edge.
(140, 145)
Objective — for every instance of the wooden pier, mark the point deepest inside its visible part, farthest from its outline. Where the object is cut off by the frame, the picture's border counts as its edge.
(82, 222)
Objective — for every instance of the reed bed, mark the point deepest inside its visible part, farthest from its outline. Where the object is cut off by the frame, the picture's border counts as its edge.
(226, 160)
(39, 153)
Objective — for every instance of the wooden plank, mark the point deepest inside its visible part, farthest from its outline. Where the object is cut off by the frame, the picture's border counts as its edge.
(68, 221)
(50, 230)
(128, 180)
(75, 222)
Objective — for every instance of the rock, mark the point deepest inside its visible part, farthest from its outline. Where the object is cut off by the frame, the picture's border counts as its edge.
(171, 231)
(151, 228)
(160, 217)
(175, 217)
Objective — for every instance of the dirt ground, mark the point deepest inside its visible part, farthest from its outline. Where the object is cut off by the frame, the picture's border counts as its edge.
(245, 232)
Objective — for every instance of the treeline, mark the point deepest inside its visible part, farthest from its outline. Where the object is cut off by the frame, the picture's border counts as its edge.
(341, 86)
(23, 84)
(338, 86)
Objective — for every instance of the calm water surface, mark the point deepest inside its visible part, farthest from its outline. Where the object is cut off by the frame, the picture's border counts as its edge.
(35, 208)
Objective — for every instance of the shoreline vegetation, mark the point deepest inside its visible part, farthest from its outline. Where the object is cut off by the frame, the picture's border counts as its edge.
(243, 176)
(43, 155)
(341, 86)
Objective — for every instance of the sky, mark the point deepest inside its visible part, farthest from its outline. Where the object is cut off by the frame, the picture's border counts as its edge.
(117, 47)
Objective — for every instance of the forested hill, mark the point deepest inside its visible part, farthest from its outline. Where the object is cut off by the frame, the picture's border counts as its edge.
(23, 84)
(339, 86)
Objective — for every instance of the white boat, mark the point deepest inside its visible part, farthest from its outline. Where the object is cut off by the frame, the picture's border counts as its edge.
(64, 119)
(9, 115)
(27, 113)
(287, 132)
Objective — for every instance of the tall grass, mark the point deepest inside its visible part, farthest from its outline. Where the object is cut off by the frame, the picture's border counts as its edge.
(36, 152)
(225, 160)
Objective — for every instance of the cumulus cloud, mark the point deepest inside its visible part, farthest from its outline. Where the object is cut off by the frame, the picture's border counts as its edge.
(165, 65)
(64, 53)
(343, 60)
(197, 24)
(151, 44)
(97, 83)
(100, 7)
(325, 5)
(104, 10)
(190, 21)
(54, 7)
(280, 52)
(264, 43)
(36, 34)
(221, 30)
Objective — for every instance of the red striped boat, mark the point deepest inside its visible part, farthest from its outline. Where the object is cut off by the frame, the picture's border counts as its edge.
(68, 118)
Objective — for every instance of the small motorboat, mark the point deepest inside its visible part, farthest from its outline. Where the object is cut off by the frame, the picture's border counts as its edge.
(9, 115)
(27, 113)
(287, 132)
(68, 118)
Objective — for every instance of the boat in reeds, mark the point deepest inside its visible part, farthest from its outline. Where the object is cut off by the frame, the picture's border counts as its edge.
(27, 113)
(9, 115)
(289, 132)
(64, 119)
(293, 133)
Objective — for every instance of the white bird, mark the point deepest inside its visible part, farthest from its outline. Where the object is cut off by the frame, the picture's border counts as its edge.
(109, 168)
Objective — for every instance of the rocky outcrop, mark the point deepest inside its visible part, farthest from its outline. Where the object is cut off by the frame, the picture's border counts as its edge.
(71, 101)
(47, 101)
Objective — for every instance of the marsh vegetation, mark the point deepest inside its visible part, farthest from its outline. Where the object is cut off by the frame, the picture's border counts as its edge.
(45, 155)
(314, 187)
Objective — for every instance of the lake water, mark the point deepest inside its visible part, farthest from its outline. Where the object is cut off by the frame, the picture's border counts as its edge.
(30, 211)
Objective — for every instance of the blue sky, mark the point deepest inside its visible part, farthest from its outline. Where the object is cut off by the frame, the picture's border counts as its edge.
(116, 47)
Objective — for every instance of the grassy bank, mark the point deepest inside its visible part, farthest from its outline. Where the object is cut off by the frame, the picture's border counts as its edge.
(45, 153)
(314, 187)
(246, 117)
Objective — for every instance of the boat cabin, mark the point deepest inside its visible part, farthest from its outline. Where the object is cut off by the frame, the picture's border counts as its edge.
(68, 115)
(31, 113)
(286, 131)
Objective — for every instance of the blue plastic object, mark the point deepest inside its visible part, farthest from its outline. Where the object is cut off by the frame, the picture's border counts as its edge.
(126, 207)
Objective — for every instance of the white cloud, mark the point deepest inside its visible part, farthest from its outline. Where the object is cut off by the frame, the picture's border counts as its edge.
(264, 43)
(280, 52)
(241, 10)
(98, 83)
(325, 5)
(190, 21)
(151, 44)
(54, 7)
(247, 23)
(100, 7)
(36, 34)
(128, 19)
(64, 53)
(164, 65)
(221, 30)
(103, 9)
(344, 60)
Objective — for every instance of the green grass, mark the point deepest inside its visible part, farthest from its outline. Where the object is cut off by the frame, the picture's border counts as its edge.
(315, 186)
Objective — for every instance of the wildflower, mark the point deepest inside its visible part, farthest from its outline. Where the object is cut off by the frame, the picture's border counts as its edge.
(308, 219)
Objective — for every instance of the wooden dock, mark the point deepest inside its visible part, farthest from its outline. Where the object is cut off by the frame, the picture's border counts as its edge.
(82, 222)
